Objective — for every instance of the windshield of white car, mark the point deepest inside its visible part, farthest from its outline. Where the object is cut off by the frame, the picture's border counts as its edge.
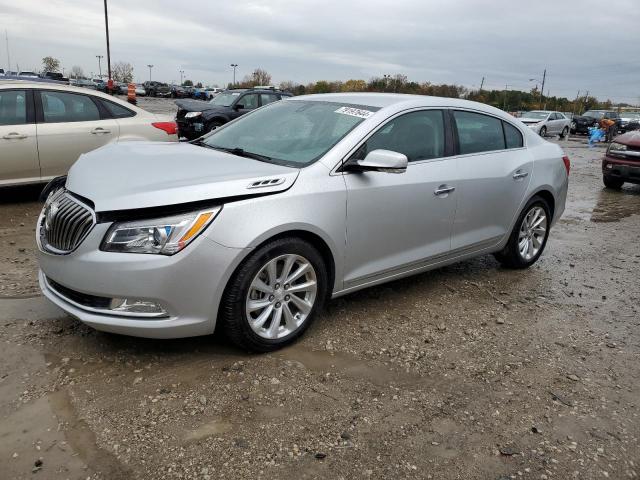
(225, 99)
(534, 114)
(294, 133)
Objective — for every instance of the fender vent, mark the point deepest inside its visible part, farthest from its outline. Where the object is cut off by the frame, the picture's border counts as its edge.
(267, 182)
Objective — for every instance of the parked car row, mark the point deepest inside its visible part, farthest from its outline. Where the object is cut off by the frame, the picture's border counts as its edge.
(197, 117)
(45, 127)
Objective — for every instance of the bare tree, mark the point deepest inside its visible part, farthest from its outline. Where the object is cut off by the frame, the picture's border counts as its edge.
(50, 64)
(257, 77)
(122, 72)
(76, 72)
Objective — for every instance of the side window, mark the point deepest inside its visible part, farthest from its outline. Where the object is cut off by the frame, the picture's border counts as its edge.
(512, 136)
(249, 102)
(560, 116)
(266, 98)
(419, 135)
(117, 111)
(553, 116)
(68, 107)
(13, 107)
(478, 132)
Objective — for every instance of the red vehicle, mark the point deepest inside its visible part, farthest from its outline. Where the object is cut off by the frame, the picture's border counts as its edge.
(621, 163)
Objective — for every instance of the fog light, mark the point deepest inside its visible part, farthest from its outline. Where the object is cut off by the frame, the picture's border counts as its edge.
(135, 305)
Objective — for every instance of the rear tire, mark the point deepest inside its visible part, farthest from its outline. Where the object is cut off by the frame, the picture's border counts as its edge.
(258, 312)
(612, 183)
(528, 237)
(565, 132)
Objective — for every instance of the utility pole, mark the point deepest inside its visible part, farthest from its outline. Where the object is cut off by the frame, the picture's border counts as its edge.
(106, 27)
(504, 98)
(181, 73)
(481, 85)
(544, 77)
(150, 67)
(6, 35)
(99, 57)
(234, 65)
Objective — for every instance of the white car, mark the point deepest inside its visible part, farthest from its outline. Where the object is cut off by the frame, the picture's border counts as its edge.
(45, 127)
(545, 122)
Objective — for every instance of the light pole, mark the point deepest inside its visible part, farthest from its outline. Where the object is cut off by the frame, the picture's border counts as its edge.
(181, 74)
(150, 67)
(504, 98)
(99, 57)
(234, 65)
(386, 81)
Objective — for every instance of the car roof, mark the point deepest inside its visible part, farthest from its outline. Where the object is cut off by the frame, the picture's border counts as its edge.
(399, 101)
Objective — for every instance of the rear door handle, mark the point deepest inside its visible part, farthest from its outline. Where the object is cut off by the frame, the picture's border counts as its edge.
(14, 136)
(443, 190)
(520, 174)
(99, 130)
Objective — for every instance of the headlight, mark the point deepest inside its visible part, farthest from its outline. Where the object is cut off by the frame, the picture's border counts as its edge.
(617, 147)
(165, 236)
(193, 114)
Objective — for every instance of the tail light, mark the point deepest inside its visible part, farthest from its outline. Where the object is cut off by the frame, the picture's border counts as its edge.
(170, 127)
(567, 163)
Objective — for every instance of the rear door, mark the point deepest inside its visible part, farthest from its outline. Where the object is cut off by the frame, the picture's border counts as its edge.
(69, 124)
(18, 140)
(494, 170)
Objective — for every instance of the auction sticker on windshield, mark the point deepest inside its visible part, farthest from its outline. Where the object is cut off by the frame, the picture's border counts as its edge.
(354, 112)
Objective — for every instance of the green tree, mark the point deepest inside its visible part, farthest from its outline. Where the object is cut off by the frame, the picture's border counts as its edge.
(187, 83)
(50, 64)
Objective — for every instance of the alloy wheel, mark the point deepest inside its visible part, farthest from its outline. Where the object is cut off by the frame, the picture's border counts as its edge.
(281, 296)
(532, 233)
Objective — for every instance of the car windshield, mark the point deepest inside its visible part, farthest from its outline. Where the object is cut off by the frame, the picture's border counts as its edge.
(630, 115)
(294, 133)
(535, 114)
(593, 114)
(225, 99)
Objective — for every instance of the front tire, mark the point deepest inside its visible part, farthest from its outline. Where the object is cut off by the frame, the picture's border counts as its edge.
(543, 131)
(612, 183)
(274, 295)
(215, 124)
(529, 236)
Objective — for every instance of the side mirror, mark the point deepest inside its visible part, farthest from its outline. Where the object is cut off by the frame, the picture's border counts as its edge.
(381, 161)
(238, 106)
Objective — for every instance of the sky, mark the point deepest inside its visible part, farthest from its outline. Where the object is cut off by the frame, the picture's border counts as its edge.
(584, 45)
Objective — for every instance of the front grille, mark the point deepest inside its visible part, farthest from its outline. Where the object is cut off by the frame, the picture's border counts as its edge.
(84, 299)
(64, 223)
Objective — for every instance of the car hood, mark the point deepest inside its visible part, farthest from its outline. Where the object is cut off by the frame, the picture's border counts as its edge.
(530, 120)
(585, 118)
(132, 175)
(194, 105)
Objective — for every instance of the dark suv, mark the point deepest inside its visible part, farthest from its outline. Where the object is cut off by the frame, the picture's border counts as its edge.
(197, 117)
(157, 89)
(590, 118)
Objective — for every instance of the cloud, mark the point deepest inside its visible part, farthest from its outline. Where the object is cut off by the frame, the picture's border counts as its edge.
(584, 45)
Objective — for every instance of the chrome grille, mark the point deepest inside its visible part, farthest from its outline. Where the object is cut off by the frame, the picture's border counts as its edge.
(64, 223)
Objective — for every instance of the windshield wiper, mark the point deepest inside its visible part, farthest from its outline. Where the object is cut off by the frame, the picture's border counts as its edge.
(241, 152)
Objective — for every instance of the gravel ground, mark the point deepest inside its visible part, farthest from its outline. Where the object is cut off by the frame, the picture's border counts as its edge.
(466, 372)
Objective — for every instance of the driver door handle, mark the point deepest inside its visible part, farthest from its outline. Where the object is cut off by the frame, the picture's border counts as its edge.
(14, 136)
(443, 190)
(520, 174)
(99, 130)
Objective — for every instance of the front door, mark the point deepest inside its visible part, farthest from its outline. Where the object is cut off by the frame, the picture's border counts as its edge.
(494, 170)
(18, 141)
(397, 221)
(245, 104)
(70, 124)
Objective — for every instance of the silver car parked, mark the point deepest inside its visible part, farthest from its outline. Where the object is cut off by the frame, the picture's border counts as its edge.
(254, 226)
(545, 122)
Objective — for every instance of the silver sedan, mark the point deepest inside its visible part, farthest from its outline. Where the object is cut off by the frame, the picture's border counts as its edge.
(545, 122)
(253, 227)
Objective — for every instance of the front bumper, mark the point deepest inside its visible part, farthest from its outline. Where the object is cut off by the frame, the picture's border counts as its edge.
(626, 170)
(188, 285)
(190, 130)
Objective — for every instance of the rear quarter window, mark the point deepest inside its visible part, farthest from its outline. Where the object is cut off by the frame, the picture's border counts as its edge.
(512, 136)
(117, 111)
